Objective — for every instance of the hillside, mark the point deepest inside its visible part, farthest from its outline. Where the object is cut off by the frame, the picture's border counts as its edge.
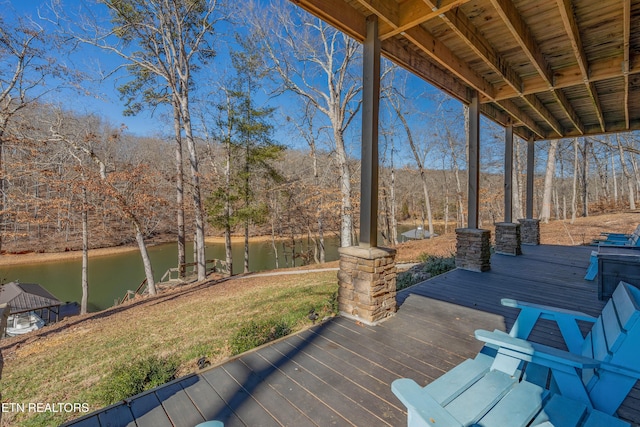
(63, 362)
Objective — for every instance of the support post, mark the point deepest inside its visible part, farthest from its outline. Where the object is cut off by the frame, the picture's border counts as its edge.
(370, 110)
(508, 173)
(367, 275)
(508, 241)
(474, 162)
(472, 244)
(530, 176)
(530, 232)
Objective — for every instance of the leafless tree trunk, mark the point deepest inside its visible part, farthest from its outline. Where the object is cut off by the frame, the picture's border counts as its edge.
(81, 146)
(85, 252)
(545, 212)
(585, 177)
(627, 174)
(300, 50)
(395, 102)
(182, 260)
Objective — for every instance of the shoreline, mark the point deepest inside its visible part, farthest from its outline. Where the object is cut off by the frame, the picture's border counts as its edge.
(34, 257)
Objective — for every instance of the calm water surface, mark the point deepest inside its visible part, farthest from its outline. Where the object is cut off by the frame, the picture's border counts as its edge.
(110, 276)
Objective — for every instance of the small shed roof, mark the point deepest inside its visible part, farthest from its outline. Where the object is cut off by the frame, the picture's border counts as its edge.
(24, 297)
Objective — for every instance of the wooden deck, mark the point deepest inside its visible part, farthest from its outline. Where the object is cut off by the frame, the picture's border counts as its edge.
(339, 373)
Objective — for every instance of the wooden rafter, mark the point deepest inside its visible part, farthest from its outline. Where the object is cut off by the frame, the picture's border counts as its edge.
(571, 28)
(462, 26)
(522, 34)
(415, 12)
(560, 64)
(626, 28)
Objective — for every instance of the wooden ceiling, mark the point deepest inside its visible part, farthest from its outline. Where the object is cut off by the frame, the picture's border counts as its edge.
(552, 68)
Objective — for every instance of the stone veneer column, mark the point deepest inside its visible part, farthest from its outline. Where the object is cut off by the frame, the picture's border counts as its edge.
(367, 280)
(508, 238)
(473, 249)
(530, 231)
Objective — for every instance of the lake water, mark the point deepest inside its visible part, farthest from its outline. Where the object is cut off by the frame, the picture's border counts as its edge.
(110, 276)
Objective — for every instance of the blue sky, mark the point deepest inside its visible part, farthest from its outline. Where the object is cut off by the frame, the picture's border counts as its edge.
(104, 100)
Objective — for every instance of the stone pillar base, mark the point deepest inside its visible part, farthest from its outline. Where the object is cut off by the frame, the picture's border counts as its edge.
(508, 238)
(367, 280)
(473, 249)
(530, 231)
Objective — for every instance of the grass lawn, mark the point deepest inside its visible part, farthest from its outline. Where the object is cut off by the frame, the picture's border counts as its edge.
(68, 362)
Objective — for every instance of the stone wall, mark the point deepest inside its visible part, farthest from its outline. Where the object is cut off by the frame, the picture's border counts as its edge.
(367, 280)
(473, 249)
(530, 231)
(508, 238)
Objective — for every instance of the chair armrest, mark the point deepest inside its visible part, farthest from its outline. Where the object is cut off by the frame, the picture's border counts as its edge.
(420, 404)
(548, 356)
(567, 321)
(534, 352)
(547, 312)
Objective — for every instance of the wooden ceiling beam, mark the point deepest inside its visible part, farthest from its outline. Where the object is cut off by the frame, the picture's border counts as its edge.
(546, 115)
(415, 12)
(571, 28)
(571, 76)
(436, 50)
(626, 27)
(386, 10)
(338, 14)
(462, 26)
(421, 67)
(522, 35)
(561, 98)
(514, 111)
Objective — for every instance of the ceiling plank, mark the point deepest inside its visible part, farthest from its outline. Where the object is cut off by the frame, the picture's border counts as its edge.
(521, 33)
(415, 12)
(546, 115)
(626, 27)
(514, 111)
(595, 101)
(571, 28)
(463, 27)
(561, 98)
(338, 14)
(570, 76)
(448, 60)
(386, 10)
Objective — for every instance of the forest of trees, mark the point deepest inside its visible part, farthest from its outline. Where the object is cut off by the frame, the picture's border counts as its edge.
(258, 133)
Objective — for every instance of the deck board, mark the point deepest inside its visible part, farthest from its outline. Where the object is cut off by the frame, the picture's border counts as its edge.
(339, 372)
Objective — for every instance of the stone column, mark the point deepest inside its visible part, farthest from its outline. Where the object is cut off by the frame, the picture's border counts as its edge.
(473, 249)
(530, 231)
(508, 238)
(367, 280)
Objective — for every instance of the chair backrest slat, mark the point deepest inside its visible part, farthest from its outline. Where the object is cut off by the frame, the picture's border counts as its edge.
(615, 336)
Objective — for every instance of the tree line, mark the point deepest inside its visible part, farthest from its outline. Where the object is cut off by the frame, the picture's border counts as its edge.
(73, 180)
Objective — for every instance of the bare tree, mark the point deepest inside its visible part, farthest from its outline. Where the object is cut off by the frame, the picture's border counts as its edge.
(80, 136)
(396, 101)
(163, 41)
(545, 212)
(315, 61)
(24, 67)
(627, 174)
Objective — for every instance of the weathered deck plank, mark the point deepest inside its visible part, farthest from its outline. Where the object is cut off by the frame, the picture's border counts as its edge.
(339, 372)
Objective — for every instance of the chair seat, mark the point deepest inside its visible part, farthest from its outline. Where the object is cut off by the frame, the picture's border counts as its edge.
(492, 399)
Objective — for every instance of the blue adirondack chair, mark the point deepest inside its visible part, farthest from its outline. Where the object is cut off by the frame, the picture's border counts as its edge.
(592, 270)
(524, 383)
(619, 239)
